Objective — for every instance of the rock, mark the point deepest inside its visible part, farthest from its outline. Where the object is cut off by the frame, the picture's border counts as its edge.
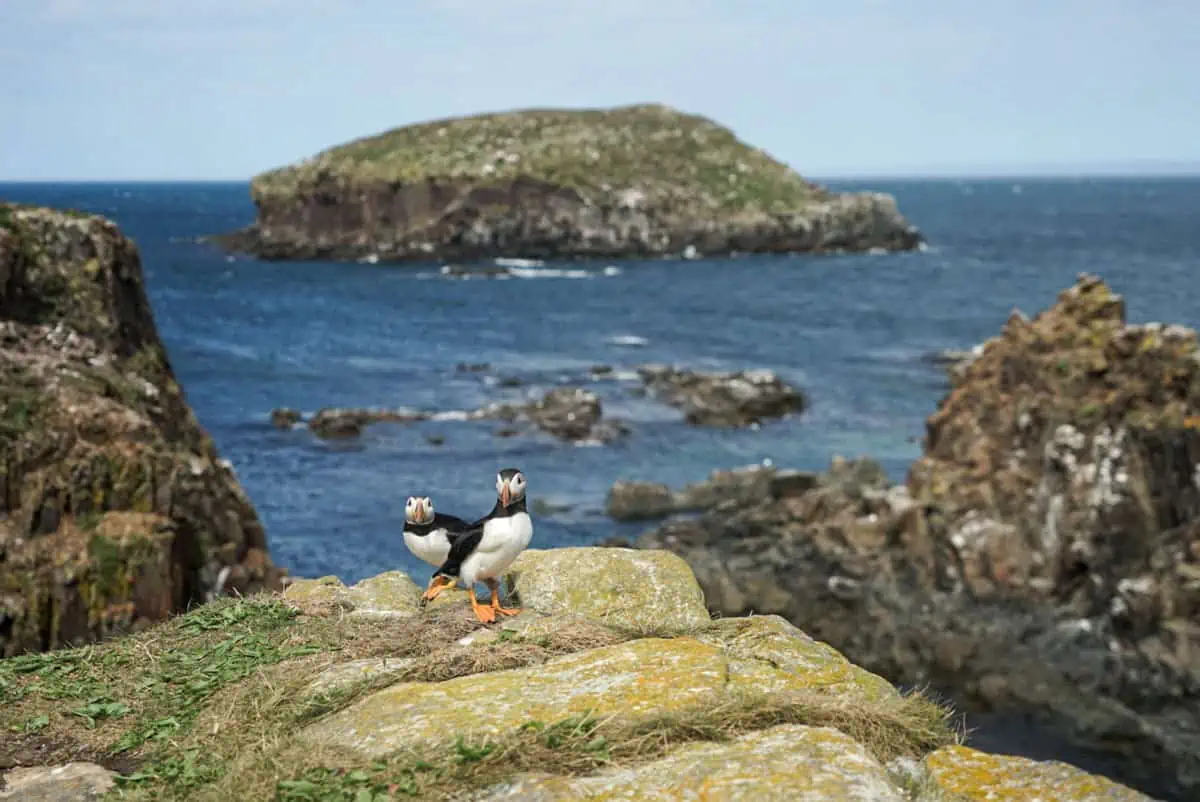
(115, 508)
(285, 418)
(71, 782)
(628, 181)
(723, 399)
(641, 590)
(783, 763)
(1040, 560)
(301, 698)
(387, 595)
(639, 501)
(568, 413)
(333, 423)
(977, 777)
(636, 680)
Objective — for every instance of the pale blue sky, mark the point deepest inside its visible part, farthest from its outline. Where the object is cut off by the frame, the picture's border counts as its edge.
(95, 89)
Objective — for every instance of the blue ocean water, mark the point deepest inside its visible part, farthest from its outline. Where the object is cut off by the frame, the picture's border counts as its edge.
(853, 331)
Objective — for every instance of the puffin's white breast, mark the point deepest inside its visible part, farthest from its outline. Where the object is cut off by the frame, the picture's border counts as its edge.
(503, 540)
(432, 548)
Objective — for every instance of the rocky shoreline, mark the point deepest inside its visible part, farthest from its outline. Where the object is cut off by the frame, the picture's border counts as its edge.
(1042, 557)
(627, 182)
(116, 510)
(573, 413)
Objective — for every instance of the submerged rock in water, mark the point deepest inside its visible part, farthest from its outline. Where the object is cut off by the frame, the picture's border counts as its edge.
(115, 508)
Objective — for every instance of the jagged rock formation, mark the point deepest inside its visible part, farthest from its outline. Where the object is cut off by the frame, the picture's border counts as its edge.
(1043, 557)
(612, 683)
(632, 181)
(116, 509)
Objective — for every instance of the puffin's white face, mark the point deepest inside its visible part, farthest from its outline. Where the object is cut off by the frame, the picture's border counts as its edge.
(511, 489)
(418, 510)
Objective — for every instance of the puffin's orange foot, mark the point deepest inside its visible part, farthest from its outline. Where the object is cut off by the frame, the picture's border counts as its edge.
(506, 610)
(484, 612)
(494, 587)
(436, 585)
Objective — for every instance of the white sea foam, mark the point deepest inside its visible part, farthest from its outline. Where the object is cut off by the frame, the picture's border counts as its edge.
(506, 262)
(627, 340)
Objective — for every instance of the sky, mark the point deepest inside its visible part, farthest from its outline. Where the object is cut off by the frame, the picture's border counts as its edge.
(223, 89)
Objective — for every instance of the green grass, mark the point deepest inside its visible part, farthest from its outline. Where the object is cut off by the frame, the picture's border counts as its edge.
(672, 157)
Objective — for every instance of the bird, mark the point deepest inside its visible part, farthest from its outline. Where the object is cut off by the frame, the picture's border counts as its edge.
(428, 534)
(484, 552)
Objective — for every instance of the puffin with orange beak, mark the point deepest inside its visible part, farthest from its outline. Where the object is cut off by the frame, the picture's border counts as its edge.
(428, 534)
(485, 551)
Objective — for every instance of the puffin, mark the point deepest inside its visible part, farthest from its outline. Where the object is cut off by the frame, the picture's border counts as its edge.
(484, 552)
(428, 534)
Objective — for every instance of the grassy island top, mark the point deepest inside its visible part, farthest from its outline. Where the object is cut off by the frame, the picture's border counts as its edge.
(665, 155)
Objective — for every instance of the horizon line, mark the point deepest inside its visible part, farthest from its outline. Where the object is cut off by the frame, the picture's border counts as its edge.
(1183, 171)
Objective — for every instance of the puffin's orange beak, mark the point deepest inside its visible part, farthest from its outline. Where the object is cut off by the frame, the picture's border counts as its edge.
(504, 494)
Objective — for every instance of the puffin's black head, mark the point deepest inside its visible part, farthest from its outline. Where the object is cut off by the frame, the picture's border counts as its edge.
(418, 510)
(510, 486)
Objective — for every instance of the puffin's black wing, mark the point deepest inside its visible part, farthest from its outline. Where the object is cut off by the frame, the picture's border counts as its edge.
(453, 525)
(461, 546)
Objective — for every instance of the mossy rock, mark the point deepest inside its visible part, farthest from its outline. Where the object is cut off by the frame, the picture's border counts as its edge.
(979, 777)
(649, 590)
(781, 764)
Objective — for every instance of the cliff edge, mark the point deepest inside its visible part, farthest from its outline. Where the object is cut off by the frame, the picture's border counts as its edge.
(613, 683)
(631, 181)
(115, 509)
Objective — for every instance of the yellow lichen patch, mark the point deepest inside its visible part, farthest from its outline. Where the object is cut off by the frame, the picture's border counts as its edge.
(772, 655)
(789, 762)
(978, 776)
(640, 679)
(651, 590)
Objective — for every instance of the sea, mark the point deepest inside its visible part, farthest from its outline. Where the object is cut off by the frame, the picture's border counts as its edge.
(858, 333)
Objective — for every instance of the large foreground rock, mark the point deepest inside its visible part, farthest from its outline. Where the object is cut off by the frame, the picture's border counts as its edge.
(581, 696)
(115, 509)
(1043, 557)
(643, 180)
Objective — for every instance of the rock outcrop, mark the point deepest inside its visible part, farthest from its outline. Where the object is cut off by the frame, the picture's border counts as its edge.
(1043, 557)
(613, 683)
(632, 181)
(116, 508)
(573, 413)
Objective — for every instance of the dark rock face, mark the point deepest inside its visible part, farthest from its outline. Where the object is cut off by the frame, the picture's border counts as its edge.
(463, 221)
(1043, 557)
(117, 509)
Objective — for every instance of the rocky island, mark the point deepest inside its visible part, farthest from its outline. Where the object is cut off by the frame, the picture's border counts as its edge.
(115, 508)
(633, 181)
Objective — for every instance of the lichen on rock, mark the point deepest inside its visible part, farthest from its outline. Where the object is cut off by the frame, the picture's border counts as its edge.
(638, 180)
